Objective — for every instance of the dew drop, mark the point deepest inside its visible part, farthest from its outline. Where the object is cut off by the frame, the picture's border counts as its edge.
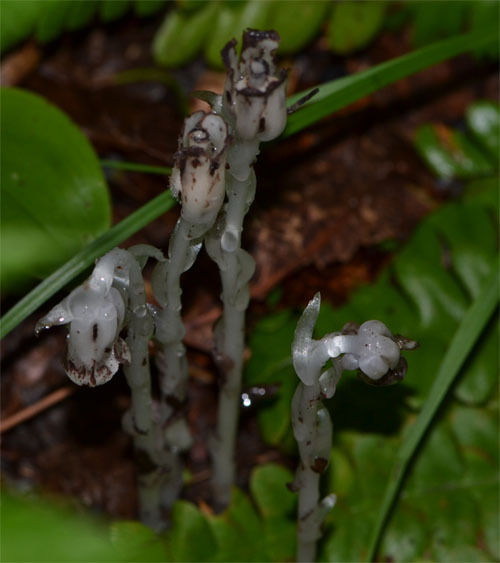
(247, 402)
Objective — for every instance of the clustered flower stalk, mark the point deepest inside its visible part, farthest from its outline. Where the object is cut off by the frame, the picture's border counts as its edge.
(198, 182)
(114, 296)
(253, 104)
(375, 352)
(215, 157)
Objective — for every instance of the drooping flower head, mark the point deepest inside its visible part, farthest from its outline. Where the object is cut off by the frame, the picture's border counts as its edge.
(371, 348)
(255, 92)
(95, 312)
(198, 176)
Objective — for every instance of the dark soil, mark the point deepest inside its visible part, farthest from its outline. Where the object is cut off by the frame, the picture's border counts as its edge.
(326, 199)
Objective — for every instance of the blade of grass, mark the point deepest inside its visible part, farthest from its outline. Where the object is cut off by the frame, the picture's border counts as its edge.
(135, 167)
(467, 334)
(339, 93)
(117, 234)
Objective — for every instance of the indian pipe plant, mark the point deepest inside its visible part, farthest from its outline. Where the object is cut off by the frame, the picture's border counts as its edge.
(448, 508)
(215, 183)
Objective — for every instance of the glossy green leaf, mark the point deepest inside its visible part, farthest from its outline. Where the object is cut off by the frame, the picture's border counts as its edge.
(238, 531)
(270, 364)
(190, 5)
(480, 377)
(51, 19)
(434, 20)
(339, 93)
(111, 10)
(34, 530)
(443, 510)
(468, 234)
(18, 21)
(182, 34)
(268, 484)
(449, 153)
(484, 191)
(280, 539)
(80, 14)
(463, 341)
(146, 8)
(483, 13)
(137, 541)
(483, 121)
(297, 23)
(190, 537)
(353, 24)
(54, 198)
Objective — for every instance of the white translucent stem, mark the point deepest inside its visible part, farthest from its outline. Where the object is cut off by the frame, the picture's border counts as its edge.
(236, 268)
(153, 473)
(313, 432)
(171, 354)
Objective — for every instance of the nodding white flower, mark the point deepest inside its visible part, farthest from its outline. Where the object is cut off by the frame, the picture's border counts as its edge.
(371, 348)
(198, 176)
(255, 92)
(95, 312)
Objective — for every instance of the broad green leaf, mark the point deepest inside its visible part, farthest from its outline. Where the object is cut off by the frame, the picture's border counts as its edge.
(480, 373)
(483, 13)
(182, 35)
(190, 537)
(34, 530)
(468, 233)
(449, 153)
(190, 5)
(407, 537)
(80, 14)
(339, 93)
(280, 537)
(268, 484)
(145, 8)
(18, 21)
(111, 10)
(270, 364)
(439, 462)
(463, 341)
(297, 23)
(483, 121)
(51, 19)
(238, 531)
(54, 198)
(434, 20)
(137, 542)
(443, 509)
(439, 300)
(354, 23)
(484, 191)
